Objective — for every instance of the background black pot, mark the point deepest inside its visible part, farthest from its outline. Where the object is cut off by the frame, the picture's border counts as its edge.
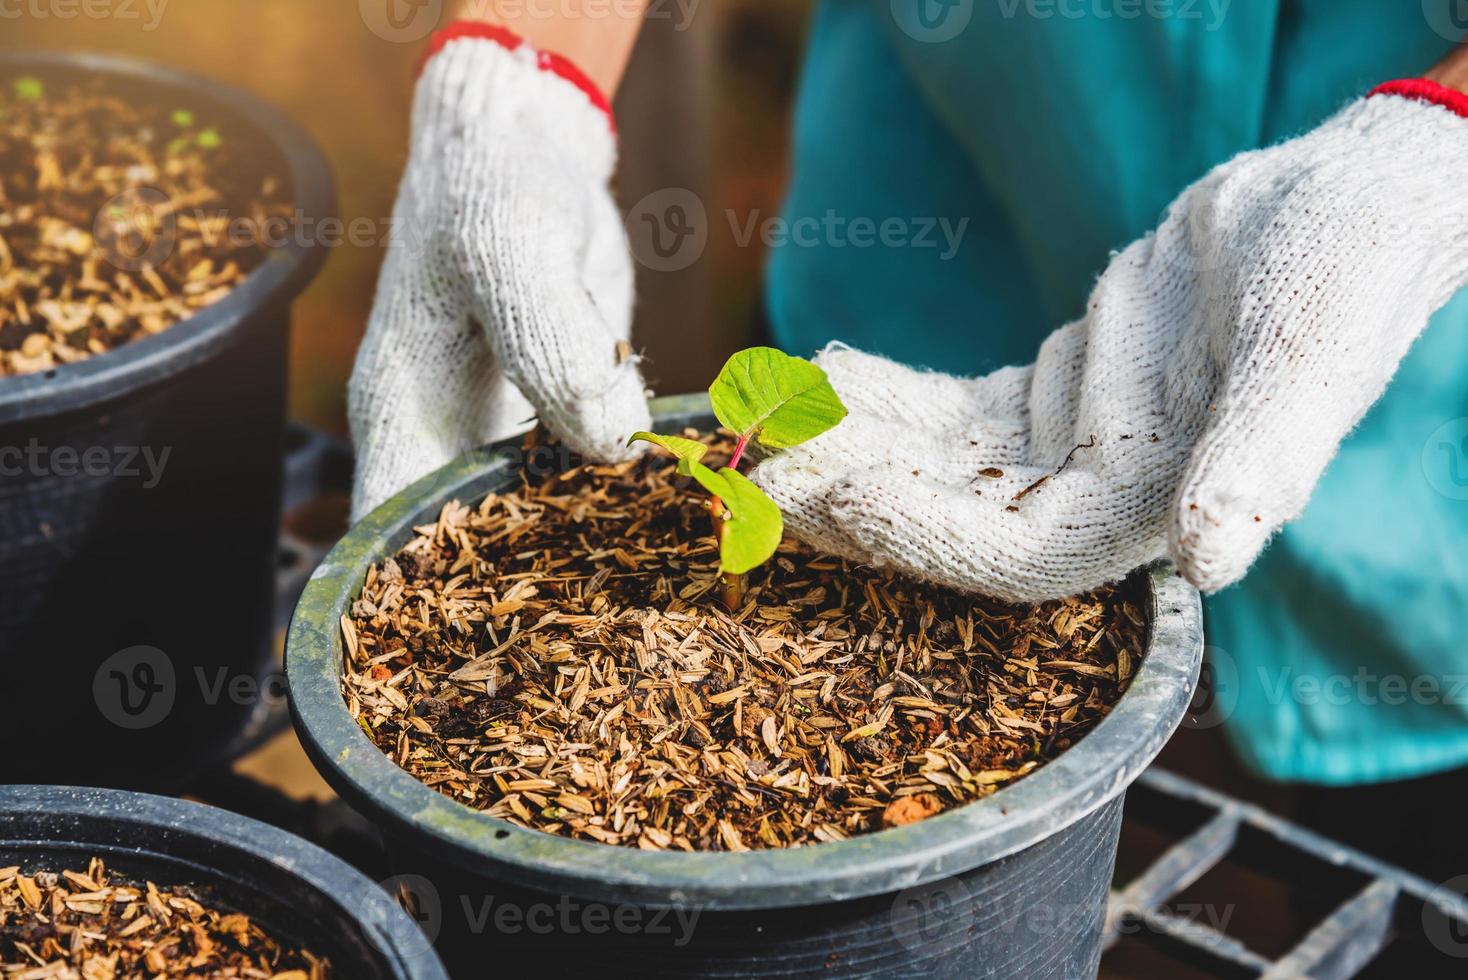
(1014, 885)
(135, 606)
(299, 893)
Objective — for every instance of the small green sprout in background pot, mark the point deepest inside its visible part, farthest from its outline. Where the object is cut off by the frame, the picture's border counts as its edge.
(204, 139)
(776, 401)
(29, 88)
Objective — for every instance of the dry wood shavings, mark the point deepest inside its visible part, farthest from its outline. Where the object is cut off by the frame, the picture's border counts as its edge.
(117, 220)
(557, 656)
(76, 925)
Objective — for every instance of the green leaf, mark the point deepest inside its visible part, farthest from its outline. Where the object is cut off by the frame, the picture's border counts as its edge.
(713, 482)
(688, 451)
(754, 527)
(183, 118)
(29, 88)
(780, 400)
(209, 139)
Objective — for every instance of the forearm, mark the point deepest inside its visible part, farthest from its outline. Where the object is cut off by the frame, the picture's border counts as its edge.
(1452, 71)
(598, 39)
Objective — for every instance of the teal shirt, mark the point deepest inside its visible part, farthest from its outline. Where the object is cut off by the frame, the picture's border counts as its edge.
(1005, 164)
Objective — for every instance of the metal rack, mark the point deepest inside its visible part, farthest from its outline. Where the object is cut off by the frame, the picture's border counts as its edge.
(1382, 908)
(1382, 911)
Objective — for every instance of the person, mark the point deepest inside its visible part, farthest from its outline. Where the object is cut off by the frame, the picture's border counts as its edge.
(1280, 181)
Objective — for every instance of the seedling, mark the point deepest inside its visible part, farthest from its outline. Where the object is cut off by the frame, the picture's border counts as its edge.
(205, 139)
(773, 400)
(29, 89)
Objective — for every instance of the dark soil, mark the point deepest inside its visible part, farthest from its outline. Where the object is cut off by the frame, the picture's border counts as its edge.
(557, 656)
(95, 926)
(117, 220)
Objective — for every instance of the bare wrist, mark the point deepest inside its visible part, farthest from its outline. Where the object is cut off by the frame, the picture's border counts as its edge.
(1452, 71)
(597, 39)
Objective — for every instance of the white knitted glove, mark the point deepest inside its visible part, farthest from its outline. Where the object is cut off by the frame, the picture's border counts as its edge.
(1191, 411)
(508, 273)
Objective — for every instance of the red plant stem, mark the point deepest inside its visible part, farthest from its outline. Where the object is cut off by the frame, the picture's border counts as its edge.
(738, 452)
(718, 505)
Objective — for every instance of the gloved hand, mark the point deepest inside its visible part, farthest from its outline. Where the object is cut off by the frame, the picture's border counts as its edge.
(508, 273)
(1192, 410)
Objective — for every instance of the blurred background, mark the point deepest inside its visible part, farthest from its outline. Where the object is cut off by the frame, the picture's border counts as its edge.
(704, 107)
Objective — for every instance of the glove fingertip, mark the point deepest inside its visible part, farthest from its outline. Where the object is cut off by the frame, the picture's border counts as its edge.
(1214, 537)
(598, 424)
(796, 486)
(801, 491)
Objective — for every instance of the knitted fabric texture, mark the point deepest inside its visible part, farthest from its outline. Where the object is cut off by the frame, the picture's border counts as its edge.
(1191, 411)
(508, 284)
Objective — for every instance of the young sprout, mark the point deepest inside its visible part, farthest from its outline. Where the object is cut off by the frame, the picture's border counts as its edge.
(776, 401)
(29, 88)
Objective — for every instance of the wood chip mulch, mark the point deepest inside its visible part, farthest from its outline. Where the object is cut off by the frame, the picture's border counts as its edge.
(77, 925)
(557, 656)
(117, 220)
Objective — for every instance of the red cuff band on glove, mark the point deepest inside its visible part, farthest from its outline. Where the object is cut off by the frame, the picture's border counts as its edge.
(1426, 91)
(510, 41)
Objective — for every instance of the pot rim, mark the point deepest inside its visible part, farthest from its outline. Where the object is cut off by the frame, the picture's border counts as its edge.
(385, 926)
(1095, 770)
(283, 275)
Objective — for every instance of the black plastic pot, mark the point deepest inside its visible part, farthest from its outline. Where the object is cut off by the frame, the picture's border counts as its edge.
(297, 892)
(136, 588)
(1011, 886)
